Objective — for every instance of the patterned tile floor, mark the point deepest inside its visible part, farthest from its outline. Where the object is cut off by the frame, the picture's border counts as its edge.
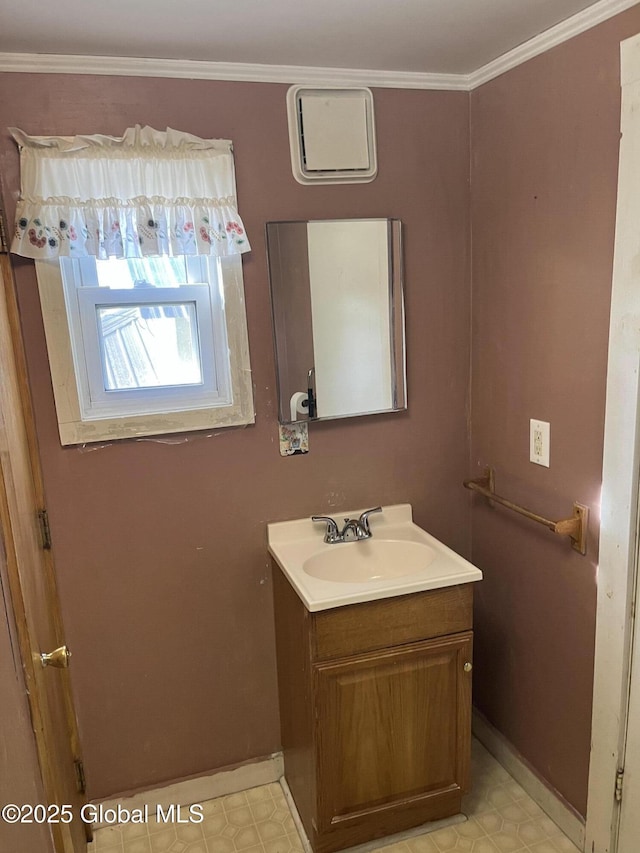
(502, 818)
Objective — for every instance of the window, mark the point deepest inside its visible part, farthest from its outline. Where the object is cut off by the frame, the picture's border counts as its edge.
(137, 242)
(147, 335)
(145, 346)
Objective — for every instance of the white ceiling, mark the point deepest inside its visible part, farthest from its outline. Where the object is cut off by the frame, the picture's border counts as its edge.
(426, 36)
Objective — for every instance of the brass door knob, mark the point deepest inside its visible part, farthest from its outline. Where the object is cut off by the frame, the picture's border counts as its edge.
(58, 657)
(468, 666)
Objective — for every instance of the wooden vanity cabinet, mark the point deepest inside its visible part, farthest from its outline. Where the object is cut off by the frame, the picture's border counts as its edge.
(375, 709)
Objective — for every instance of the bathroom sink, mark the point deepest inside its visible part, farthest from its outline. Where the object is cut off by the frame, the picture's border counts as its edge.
(398, 559)
(371, 560)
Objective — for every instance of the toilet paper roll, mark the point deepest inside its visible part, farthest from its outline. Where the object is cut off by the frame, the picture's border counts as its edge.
(299, 404)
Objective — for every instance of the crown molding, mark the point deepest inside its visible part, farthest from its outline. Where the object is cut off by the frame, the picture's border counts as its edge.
(123, 66)
(573, 26)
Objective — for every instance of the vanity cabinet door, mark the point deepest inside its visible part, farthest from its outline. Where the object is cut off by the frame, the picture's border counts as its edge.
(393, 736)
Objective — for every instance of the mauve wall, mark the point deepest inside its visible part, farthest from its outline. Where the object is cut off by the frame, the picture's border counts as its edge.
(160, 546)
(544, 171)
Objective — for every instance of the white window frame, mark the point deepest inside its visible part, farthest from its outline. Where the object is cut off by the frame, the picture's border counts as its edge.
(225, 398)
(98, 402)
(83, 297)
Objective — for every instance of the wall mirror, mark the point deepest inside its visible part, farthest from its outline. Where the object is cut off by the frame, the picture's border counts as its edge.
(338, 317)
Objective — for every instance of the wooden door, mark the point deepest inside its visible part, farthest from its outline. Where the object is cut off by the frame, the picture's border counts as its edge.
(394, 732)
(32, 582)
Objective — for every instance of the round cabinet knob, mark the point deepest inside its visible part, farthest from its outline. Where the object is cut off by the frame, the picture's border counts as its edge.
(468, 666)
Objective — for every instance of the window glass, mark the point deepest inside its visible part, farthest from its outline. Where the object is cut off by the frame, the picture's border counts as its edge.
(149, 346)
(142, 272)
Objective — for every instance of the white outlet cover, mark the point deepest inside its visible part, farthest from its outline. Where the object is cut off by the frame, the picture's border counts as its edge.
(539, 441)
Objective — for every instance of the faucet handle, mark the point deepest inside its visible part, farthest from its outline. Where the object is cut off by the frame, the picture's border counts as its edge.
(331, 534)
(364, 518)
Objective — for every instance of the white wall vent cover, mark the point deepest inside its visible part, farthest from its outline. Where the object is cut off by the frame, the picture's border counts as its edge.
(332, 135)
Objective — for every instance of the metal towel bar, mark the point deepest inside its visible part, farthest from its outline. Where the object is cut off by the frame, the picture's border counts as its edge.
(575, 527)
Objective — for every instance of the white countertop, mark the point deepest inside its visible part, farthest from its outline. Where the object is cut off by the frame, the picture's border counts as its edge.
(291, 543)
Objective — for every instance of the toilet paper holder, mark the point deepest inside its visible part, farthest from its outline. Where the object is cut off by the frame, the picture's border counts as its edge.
(304, 402)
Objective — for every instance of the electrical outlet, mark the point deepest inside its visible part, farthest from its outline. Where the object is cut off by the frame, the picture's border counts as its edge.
(539, 439)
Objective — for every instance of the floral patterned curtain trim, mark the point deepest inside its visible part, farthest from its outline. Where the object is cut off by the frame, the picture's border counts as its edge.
(147, 193)
(46, 231)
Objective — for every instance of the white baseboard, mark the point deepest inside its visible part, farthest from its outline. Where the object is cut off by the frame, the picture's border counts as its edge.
(549, 800)
(202, 788)
(306, 845)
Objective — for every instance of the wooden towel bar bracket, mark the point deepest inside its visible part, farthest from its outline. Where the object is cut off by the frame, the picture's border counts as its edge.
(575, 527)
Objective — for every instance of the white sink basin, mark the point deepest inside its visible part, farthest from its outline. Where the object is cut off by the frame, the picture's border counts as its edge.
(370, 560)
(399, 559)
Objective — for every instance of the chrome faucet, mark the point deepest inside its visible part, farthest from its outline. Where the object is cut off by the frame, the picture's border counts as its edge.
(354, 530)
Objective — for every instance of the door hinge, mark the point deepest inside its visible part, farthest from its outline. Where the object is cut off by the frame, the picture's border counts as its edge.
(80, 780)
(45, 530)
(619, 784)
(4, 245)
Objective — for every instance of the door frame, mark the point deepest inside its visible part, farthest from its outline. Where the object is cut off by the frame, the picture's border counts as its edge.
(618, 562)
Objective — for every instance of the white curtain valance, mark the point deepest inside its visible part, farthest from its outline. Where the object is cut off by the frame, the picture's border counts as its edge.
(148, 192)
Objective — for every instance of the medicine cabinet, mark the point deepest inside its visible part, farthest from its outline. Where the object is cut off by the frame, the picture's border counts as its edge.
(338, 317)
